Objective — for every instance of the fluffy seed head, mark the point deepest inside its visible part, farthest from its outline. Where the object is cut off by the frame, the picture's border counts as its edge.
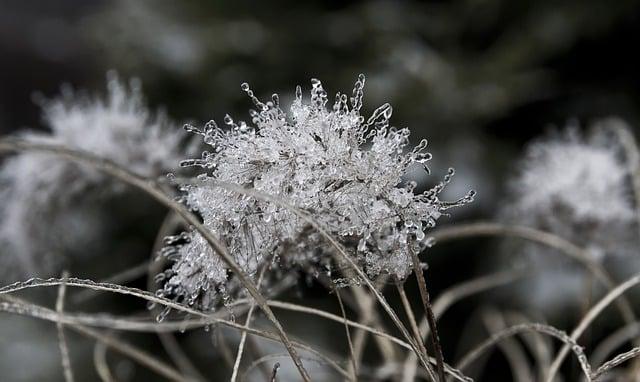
(45, 213)
(344, 170)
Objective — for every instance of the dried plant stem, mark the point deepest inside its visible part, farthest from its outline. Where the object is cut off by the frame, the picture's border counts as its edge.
(62, 341)
(340, 254)
(564, 247)
(100, 362)
(614, 341)
(413, 324)
(365, 305)
(225, 349)
(168, 340)
(154, 327)
(206, 319)
(523, 328)
(121, 277)
(83, 320)
(448, 298)
(615, 361)
(16, 305)
(348, 334)
(512, 350)
(539, 346)
(243, 336)
(588, 319)
(431, 319)
(261, 361)
(152, 189)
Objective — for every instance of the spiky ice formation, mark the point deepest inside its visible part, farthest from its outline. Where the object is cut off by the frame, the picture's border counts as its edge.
(345, 171)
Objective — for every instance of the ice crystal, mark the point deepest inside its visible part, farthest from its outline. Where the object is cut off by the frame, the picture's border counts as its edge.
(345, 171)
(38, 221)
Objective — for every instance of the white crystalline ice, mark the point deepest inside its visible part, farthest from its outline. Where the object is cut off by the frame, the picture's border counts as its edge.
(326, 159)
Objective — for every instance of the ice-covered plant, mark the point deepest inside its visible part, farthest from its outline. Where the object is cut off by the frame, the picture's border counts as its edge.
(43, 210)
(344, 170)
(577, 187)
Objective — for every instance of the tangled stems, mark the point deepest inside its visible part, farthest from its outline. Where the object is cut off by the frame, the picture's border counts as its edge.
(153, 190)
(150, 187)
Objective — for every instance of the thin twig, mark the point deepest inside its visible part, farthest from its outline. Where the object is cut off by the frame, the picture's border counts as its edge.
(431, 319)
(523, 328)
(588, 319)
(614, 341)
(77, 321)
(539, 345)
(512, 350)
(615, 361)
(151, 188)
(550, 240)
(348, 333)
(181, 325)
(100, 362)
(340, 253)
(413, 324)
(154, 266)
(243, 336)
(62, 341)
(121, 277)
(451, 296)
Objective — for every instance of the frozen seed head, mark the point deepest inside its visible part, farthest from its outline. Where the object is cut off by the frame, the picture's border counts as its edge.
(45, 212)
(576, 186)
(581, 177)
(324, 158)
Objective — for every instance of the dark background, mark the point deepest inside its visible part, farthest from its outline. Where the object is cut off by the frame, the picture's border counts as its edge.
(478, 78)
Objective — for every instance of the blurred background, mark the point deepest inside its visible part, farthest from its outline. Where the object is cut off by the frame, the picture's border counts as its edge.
(477, 78)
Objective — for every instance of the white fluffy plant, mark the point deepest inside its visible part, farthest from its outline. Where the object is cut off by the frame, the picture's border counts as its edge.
(578, 187)
(45, 212)
(343, 170)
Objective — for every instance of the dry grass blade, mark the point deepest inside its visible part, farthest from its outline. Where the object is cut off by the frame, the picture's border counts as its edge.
(62, 341)
(564, 247)
(18, 306)
(539, 345)
(431, 319)
(615, 361)
(451, 296)
(512, 350)
(170, 223)
(368, 315)
(156, 192)
(523, 328)
(100, 362)
(348, 334)
(243, 336)
(413, 324)
(614, 341)
(121, 277)
(341, 255)
(81, 320)
(588, 319)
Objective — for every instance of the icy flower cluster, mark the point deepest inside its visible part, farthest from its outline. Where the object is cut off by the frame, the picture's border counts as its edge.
(342, 169)
(576, 187)
(37, 220)
(581, 177)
